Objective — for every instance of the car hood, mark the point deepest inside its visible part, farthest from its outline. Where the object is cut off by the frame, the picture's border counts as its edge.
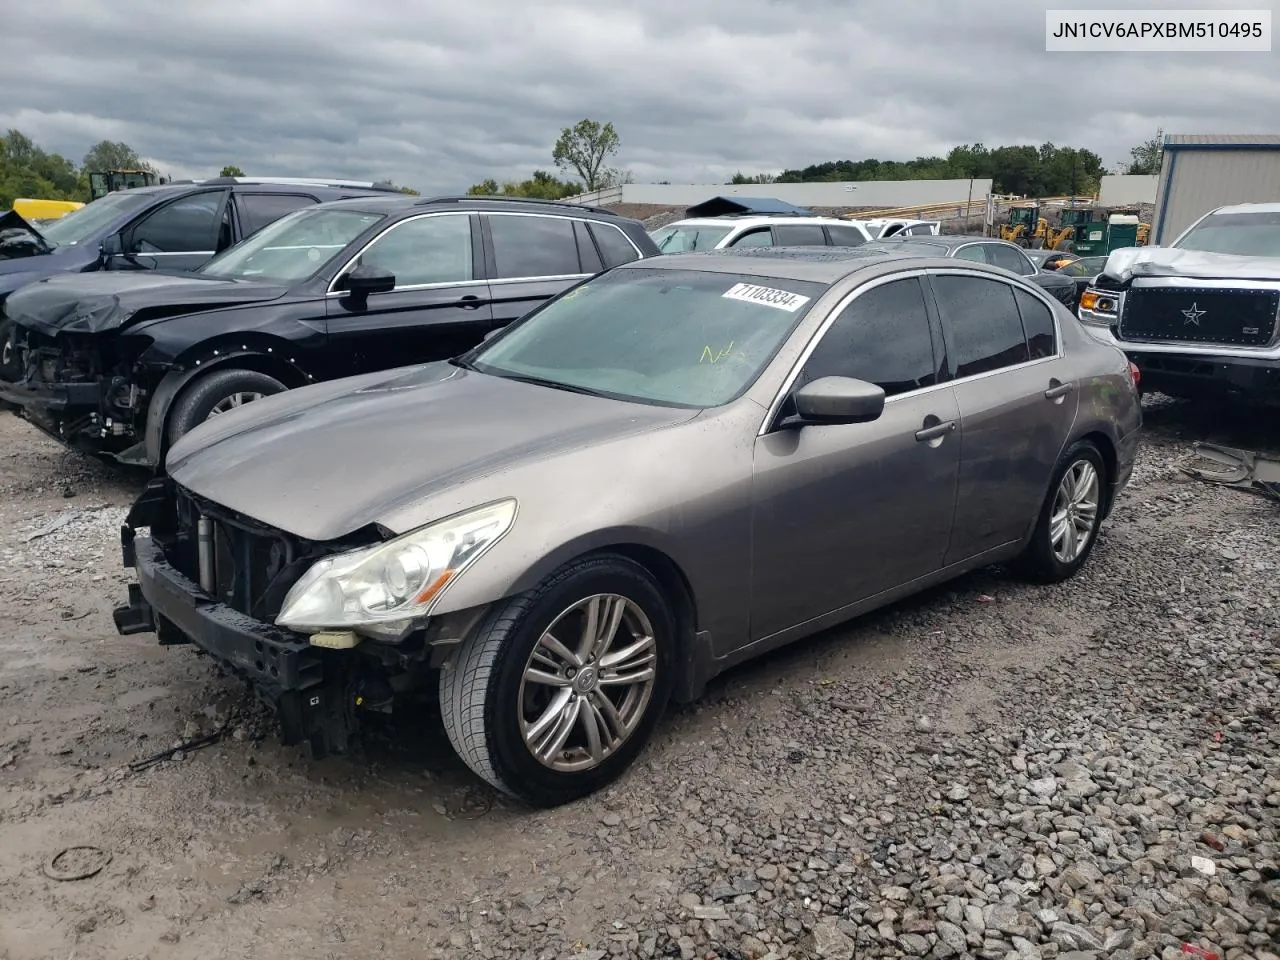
(107, 300)
(1129, 262)
(329, 459)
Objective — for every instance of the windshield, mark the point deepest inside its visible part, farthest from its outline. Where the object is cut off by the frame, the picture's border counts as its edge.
(293, 247)
(1241, 234)
(672, 337)
(79, 225)
(687, 239)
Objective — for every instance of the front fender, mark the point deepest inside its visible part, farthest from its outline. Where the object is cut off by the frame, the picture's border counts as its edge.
(171, 384)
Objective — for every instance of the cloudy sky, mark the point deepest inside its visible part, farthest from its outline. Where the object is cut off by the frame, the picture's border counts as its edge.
(439, 96)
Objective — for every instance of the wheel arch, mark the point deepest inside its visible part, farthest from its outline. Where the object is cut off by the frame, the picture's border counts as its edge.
(1110, 459)
(267, 355)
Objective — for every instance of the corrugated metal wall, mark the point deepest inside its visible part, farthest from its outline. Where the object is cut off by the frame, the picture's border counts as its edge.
(1195, 181)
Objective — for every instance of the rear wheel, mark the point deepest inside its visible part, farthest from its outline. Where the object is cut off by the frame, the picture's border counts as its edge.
(217, 393)
(559, 689)
(1068, 524)
(9, 368)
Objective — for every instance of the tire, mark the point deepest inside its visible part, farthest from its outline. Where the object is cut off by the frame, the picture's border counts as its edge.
(487, 704)
(197, 402)
(9, 368)
(1039, 561)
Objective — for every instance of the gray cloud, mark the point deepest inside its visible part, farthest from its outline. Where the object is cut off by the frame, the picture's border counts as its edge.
(440, 97)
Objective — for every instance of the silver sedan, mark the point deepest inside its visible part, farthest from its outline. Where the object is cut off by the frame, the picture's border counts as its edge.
(671, 468)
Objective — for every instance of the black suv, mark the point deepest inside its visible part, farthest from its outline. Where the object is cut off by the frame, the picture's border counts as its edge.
(122, 364)
(177, 226)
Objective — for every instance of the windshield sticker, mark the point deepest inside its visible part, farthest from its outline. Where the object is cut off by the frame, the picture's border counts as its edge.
(768, 296)
(728, 353)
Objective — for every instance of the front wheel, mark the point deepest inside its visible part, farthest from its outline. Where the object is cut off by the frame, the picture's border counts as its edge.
(216, 393)
(559, 689)
(1068, 524)
(9, 367)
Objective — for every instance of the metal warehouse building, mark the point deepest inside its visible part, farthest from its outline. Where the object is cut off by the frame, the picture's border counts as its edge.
(1200, 172)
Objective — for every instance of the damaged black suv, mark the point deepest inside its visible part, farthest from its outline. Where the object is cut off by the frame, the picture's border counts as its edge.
(122, 364)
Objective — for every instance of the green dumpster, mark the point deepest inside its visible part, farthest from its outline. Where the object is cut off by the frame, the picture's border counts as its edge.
(1091, 239)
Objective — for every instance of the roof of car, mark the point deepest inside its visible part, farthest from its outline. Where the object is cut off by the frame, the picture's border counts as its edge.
(1250, 208)
(403, 201)
(735, 221)
(273, 185)
(816, 264)
(949, 240)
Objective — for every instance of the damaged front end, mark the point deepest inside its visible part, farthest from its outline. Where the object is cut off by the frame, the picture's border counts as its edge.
(85, 390)
(216, 579)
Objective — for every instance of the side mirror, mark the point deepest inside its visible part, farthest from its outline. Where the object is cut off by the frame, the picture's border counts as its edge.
(832, 400)
(112, 246)
(364, 280)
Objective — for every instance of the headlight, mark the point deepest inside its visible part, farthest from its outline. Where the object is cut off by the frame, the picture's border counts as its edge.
(380, 590)
(1100, 303)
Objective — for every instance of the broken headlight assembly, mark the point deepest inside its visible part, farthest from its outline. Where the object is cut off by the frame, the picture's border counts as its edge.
(1099, 307)
(380, 591)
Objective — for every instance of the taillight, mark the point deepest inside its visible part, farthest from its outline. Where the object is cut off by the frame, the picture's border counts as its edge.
(1134, 373)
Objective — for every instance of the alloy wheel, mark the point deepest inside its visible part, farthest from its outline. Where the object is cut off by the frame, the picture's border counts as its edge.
(587, 683)
(1075, 511)
(237, 399)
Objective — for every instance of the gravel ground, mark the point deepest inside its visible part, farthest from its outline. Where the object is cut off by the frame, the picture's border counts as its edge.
(991, 770)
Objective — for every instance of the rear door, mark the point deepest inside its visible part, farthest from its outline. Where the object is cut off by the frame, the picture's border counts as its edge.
(1017, 405)
(255, 210)
(799, 235)
(440, 305)
(532, 257)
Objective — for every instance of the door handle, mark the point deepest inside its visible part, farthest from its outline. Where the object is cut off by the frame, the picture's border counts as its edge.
(469, 302)
(1057, 390)
(935, 431)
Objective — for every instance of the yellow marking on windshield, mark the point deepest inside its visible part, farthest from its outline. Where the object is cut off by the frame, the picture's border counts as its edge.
(711, 356)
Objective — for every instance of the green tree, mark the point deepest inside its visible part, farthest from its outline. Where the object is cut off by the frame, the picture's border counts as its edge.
(485, 188)
(394, 186)
(107, 155)
(741, 177)
(1147, 156)
(541, 186)
(583, 149)
(231, 170)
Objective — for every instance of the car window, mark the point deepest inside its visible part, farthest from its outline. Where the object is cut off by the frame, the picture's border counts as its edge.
(433, 249)
(892, 230)
(258, 209)
(986, 328)
(79, 225)
(974, 251)
(587, 253)
(882, 337)
(188, 225)
(1037, 325)
(680, 239)
(756, 238)
(846, 236)
(799, 235)
(532, 246)
(296, 246)
(687, 338)
(617, 249)
(1009, 259)
(920, 230)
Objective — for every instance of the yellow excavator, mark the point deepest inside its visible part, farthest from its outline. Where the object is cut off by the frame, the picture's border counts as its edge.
(1064, 236)
(1024, 224)
(102, 182)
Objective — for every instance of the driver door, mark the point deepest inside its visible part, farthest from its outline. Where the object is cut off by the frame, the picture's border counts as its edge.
(842, 513)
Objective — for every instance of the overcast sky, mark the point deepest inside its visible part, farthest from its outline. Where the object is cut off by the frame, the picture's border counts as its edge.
(440, 96)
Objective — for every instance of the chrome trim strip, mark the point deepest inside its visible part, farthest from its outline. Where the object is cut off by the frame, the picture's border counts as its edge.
(835, 311)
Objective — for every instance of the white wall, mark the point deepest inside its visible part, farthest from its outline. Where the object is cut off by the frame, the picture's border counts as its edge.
(868, 193)
(1126, 190)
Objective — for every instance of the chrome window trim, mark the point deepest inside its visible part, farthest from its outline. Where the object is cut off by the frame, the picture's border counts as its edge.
(174, 253)
(844, 302)
(330, 291)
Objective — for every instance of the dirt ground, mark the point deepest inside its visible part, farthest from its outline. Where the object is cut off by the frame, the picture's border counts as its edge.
(245, 848)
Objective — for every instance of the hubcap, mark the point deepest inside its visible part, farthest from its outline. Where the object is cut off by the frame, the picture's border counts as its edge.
(1075, 511)
(235, 400)
(588, 683)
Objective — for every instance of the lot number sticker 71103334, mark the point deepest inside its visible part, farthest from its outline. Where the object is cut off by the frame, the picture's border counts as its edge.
(768, 296)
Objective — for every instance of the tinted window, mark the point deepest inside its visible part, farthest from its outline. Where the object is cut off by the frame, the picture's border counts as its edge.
(259, 209)
(1037, 325)
(920, 230)
(756, 238)
(526, 246)
(799, 235)
(1008, 259)
(189, 225)
(587, 254)
(972, 252)
(986, 329)
(427, 250)
(881, 337)
(846, 236)
(614, 245)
